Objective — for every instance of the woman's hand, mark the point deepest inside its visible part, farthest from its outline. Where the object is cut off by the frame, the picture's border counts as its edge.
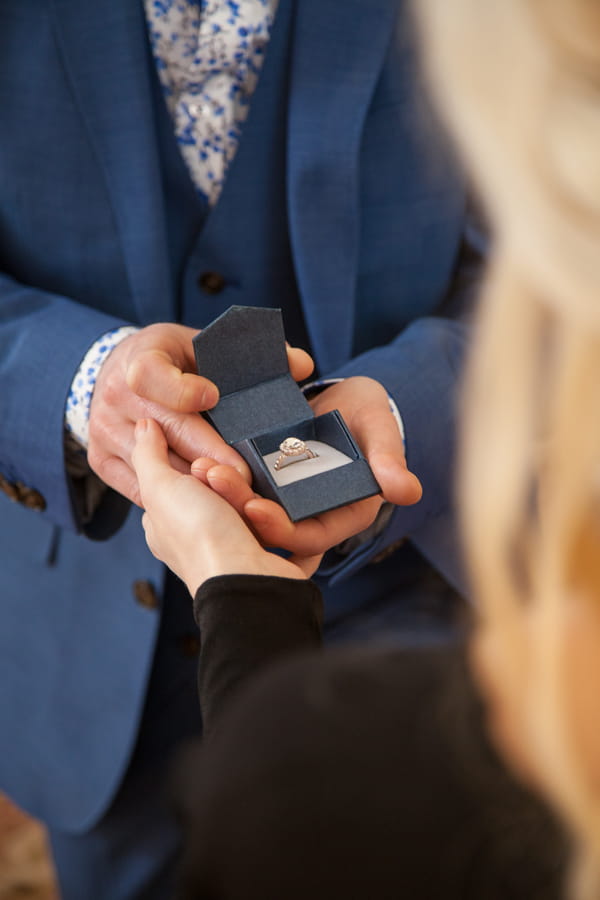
(193, 529)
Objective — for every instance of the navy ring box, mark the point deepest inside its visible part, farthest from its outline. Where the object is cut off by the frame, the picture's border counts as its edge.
(244, 353)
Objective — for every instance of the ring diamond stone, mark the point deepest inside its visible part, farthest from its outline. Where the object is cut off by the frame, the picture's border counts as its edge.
(293, 450)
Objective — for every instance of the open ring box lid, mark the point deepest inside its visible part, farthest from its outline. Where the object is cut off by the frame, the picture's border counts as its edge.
(244, 353)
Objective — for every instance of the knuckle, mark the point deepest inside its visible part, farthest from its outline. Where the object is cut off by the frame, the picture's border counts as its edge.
(98, 463)
(95, 451)
(94, 459)
(109, 389)
(98, 435)
(183, 392)
(135, 375)
(189, 432)
(174, 428)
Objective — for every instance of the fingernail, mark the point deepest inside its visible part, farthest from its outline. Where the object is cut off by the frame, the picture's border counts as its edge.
(210, 397)
(256, 514)
(141, 427)
(216, 478)
(201, 465)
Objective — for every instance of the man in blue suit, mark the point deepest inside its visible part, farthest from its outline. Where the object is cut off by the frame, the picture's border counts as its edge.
(335, 206)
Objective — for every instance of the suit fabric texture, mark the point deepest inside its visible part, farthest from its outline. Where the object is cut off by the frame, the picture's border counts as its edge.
(338, 208)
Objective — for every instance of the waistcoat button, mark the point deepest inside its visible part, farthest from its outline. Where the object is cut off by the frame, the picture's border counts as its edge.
(211, 282)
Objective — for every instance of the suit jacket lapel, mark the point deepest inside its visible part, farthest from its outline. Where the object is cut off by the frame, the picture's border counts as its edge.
(338, 53)
(111, 83)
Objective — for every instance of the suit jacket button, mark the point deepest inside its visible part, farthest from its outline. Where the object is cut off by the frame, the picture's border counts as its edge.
(30, 498)
(9, 489)
(145, 595)
(211, 282)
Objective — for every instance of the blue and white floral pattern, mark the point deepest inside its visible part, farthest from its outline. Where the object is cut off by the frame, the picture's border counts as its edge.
(209, 55)
(77, 412)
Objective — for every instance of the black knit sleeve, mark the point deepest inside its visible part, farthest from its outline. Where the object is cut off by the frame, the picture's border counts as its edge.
(246, 622)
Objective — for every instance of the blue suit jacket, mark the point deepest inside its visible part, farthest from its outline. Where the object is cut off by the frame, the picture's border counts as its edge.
(373, 224)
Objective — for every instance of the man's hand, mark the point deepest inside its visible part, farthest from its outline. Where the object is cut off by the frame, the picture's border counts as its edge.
(151, 374)
(365, 408)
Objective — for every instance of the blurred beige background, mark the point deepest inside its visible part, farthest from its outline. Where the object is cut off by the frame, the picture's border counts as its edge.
(25, 868)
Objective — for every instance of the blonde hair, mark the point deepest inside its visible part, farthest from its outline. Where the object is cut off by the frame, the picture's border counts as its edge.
(519, 83)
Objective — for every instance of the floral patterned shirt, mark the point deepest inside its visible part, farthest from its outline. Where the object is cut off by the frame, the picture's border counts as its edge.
(209, 55)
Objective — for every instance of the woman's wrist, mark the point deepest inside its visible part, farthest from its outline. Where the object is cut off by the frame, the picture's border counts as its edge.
(217, 561)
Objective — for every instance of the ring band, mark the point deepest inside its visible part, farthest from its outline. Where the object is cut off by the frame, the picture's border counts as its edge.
(293, 450)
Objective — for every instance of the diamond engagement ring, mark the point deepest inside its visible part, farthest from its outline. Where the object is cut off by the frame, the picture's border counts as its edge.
(293, 450)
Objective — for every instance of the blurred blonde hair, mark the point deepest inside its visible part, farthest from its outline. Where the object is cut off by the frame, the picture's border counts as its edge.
(519, 83)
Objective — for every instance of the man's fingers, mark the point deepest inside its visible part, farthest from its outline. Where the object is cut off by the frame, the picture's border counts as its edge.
(365, 406)
(152, 375)
(300, 363)
(379, 438)
(271, 523)
(227, 482)
(312, 536)
(398, 484)
(192, 437)
(115, 471)
(307, 564)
